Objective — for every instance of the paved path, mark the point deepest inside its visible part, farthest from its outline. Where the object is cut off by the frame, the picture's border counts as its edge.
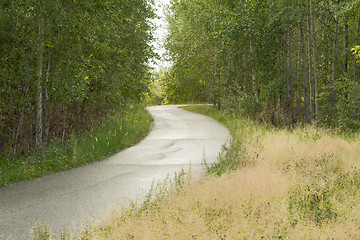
(72, 198)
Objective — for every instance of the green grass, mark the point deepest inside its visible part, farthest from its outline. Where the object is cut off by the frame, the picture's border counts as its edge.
(241, 130)
(321, 165)
(118, 132)
(272, 183)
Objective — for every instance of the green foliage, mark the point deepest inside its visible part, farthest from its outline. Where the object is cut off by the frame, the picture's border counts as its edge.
(311, 202)
(237, 100)
(316, 202)
(233, 156)
(322, 201)
(356, 52)
(228, 162)
(247, 55)
(41, 233)
(328, 184)
(156, 94)
(181, 91)
(117, 132)
(346, 114)
(89, 57)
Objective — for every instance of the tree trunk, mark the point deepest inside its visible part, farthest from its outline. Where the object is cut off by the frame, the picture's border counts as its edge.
(22, 111)
(304, 71)
(311, 72)
(39, 124)
(214, 91)
(204, 89)
(298, 71)
(346, 60)
(334, 72)
(316, 89)
(245, 65)
(17, 131)
(254, 73)
(290, 95)
(357, 43)
(63, 137)
(47, 100)
(346, 47)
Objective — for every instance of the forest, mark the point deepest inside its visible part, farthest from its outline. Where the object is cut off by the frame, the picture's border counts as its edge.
(285, 74)
(65, 65)
(279, 61)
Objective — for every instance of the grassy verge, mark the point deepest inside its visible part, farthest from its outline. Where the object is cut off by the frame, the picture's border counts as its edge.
(120, 131)
(302, 183)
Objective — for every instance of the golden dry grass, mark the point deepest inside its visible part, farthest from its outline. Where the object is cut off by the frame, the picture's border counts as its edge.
(296, 178)
(213, 208)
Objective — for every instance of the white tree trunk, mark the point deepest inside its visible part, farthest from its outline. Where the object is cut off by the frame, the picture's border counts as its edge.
(254, 73)
(304, 69)
(47, 103)
(314, 61)
(334, 70)
(39, 125)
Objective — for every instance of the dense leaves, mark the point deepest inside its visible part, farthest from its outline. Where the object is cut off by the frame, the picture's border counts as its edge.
(65, 65)
(291, 60)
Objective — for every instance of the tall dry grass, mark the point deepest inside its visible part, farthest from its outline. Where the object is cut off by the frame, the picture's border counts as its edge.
(299, 184)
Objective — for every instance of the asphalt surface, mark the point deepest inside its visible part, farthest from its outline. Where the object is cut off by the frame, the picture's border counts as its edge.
(79, 197)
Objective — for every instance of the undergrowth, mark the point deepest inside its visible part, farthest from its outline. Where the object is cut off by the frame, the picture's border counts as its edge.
(157, 193)
(302, 183)
(118, 132)
(241, 130)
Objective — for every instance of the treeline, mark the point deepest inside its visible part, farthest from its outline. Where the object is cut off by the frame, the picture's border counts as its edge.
(66, 64)
(283, 61)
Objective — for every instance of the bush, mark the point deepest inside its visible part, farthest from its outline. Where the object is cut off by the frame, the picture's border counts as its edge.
(117, 132)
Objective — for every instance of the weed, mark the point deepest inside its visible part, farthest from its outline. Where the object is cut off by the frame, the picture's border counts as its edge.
(234, 156)
(270, 184)
(40, 232)
(347, 184)
(229, 160)
(147, 199)
(120, 131)
(180, 179)
(311, 202)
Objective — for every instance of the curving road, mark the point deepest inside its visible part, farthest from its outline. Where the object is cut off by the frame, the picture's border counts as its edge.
(72, 199)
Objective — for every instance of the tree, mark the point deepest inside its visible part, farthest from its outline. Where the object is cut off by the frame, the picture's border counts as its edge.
(65, 65)
(257, 49)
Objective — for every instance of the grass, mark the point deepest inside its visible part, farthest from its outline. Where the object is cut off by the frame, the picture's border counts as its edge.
(118, 132)
(302, 183)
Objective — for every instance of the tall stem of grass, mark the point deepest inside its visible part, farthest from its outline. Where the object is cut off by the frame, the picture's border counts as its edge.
(118, 132)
